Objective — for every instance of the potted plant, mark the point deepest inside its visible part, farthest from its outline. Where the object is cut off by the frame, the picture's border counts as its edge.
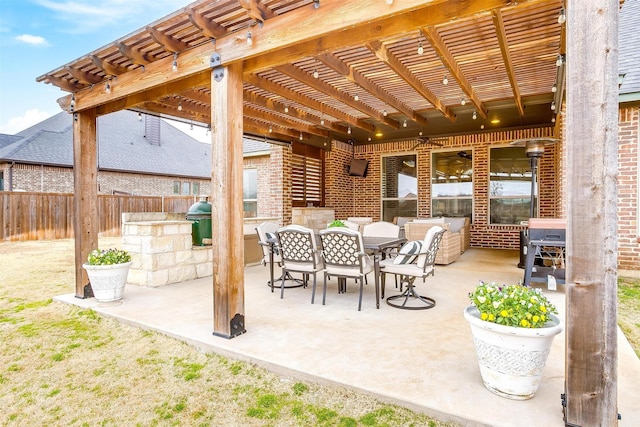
(513, 327)
(108, 270)
(336, 223)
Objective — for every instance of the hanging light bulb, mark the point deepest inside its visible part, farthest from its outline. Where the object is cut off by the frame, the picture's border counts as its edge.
(174, 64)
(270, 129)
(474, 115)
(322, 121)
(316, 74)
(300, 136)
(445, 80)
(554, 88)
(139, 117)
(384, 113)
(560, 60)
(249, 38)
(420, 48)
(356, 98)
(463, 101)
(420, 133)
(553, 106)
(562, 17)
(349, 130)
(107, 88)
(286, 108)
(180, 106)
(316, 4)
(481, 126)
(553, 119)
(191, 127)
(404, 124)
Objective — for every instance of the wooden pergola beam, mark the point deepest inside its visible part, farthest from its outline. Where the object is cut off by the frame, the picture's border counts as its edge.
(438, 44)
(208, 27)
(284, 121)
(506, 57)
(167, 42)
(134, 54)
(107, 67)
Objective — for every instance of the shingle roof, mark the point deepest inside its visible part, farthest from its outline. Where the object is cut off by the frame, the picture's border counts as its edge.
(629, 47)
(122, 146)
(6, 140)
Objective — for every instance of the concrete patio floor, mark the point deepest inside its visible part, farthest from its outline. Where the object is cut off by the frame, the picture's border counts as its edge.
(423, 360)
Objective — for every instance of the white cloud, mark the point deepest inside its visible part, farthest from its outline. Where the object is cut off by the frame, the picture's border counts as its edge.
(29, 118)
(32, 40)
(83, 16)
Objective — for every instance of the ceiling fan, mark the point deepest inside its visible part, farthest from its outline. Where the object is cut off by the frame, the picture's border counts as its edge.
(428, 140)
(465, 155)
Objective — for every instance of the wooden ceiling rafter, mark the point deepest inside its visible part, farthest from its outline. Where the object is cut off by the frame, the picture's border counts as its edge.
(284, 121)
(208, 27)
(506, 57)
(262, 101)
(134, 55)
(108, 68)
(308, 102)
(450, 63)
(353, 75)
(83, 77)
(264, 128)
(168, 43)
(380, 50)
(345, 98)
(257, 10)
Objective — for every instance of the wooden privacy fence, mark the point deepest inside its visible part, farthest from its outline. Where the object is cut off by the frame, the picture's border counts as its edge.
(37, 216)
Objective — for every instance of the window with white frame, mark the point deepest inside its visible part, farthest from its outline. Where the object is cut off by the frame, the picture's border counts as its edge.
(399, 186)
(509, 186)
(250, 192)
(452, 183)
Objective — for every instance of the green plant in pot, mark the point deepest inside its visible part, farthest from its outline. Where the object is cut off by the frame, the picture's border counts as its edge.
(108, 270)
(513, 327)
(336, 223)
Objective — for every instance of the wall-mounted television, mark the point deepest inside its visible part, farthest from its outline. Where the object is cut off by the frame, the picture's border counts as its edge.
(358, 167)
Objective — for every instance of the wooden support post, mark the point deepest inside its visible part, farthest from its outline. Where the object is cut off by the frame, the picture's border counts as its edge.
(592, 148)
(226, 199)
(85, 194)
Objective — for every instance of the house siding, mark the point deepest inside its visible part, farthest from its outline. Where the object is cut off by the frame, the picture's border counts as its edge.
(628, 187)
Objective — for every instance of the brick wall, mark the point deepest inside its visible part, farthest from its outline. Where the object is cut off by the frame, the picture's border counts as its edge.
(628, 188)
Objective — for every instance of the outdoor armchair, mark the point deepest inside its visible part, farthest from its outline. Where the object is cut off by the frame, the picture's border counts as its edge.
(416, 259)
(299, 253)
(344, 257)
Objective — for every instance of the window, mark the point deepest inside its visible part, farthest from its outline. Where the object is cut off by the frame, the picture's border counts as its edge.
(176, 187)
(399, 186)
(452, 183)
(307, 175)
(186, 187)
(250, 192)
(509, 186)
(195, 188)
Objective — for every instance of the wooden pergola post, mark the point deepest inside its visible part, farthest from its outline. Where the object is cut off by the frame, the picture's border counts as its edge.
(592, 149)
(226, 199)
(85, 194)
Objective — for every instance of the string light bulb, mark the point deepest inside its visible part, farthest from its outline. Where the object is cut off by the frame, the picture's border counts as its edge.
(174, 64)
(316, 4)
(349, 130)
(249, 38)
(316, 74)
(445, 80)
(191, 127)
(180, 106)
(404, 123)
(553, 106)
(562, 17)
(356, 97)
(420, 48)
(554, 88)
(474, 115)
(107, 88)
(286, 108)
(270, 129)
(463, 101)
(300, 136)
(139, 117)
(560, 60)
(384, 113)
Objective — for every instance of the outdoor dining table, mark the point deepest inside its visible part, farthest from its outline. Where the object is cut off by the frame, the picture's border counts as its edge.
(377, 245)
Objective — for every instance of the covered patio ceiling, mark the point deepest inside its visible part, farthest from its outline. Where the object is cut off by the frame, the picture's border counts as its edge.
(354, 71)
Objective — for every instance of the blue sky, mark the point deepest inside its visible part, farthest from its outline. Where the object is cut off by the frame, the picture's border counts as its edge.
(37, 36)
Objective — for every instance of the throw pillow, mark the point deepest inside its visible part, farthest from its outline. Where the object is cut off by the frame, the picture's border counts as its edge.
(408, 252)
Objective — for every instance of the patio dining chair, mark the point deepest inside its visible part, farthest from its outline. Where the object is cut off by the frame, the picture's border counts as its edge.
(416, 259)
(299, 254)
(344, 257)
(267, 239)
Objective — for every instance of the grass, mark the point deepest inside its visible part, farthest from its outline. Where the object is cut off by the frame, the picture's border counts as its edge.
(629, 311)
(65, 366)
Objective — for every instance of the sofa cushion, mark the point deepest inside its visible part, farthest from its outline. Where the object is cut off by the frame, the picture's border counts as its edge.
(455, 224)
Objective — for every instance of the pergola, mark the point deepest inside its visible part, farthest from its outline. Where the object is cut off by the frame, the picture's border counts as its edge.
(367, 71)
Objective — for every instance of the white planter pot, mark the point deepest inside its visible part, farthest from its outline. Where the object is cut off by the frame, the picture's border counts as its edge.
(511, 359)
(107, 281)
